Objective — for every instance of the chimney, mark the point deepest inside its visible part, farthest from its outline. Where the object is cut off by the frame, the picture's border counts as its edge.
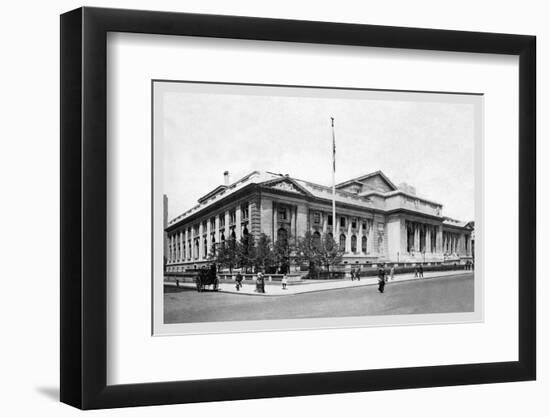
(226, 178)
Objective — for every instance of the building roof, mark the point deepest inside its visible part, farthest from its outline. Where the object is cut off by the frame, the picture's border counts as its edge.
(270, 179)
(363, 178)
(447, 221)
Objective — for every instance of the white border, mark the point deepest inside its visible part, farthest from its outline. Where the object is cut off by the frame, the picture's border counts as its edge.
(134, 356)
(160, 88)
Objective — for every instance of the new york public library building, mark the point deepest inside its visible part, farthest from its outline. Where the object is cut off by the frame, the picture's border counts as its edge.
(376, 221)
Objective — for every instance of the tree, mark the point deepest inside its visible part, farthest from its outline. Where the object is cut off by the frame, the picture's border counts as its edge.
(318, 251)
(265, 256)
(246, 252)
(225, 254)
(330, 253)
(283, 250)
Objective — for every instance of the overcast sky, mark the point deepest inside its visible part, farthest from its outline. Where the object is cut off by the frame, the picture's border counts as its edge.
(427, 144)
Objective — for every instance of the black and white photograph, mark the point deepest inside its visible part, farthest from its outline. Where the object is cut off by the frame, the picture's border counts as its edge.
(300, 207)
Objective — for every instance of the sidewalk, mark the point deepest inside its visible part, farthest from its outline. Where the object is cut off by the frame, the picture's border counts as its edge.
(308, 286)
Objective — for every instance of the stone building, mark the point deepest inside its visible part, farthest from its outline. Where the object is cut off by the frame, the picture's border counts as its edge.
(376, 221)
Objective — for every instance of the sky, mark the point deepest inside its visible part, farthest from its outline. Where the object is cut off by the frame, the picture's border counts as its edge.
(425, 140)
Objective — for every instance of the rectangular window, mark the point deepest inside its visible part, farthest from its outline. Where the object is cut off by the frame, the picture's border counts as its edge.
(244, 211)
(282, 214)
(364, 225)
(354, 223)
(232, 217)
(222, 220)
(329, 220)
(316, 217)
(342, 222)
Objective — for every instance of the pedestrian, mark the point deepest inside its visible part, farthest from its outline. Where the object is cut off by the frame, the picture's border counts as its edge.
(284, 281)
(392, 271)
(381, 279)
(260, 283)
(352, 274)
(421, 271)
(358, 274)
(239, 281)
(416, 272)
(263, 283)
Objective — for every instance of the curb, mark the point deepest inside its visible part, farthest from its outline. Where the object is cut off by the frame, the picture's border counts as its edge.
(342, 288)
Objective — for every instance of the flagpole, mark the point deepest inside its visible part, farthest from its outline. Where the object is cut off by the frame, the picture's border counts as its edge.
(333, 180)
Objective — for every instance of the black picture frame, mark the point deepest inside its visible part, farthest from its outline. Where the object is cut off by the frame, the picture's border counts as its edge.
(84, 179)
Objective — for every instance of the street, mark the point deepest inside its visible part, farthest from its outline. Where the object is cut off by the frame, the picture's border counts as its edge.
(438, 295)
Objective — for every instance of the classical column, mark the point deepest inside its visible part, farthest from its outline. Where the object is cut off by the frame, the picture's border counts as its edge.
(171, 248)
(202, 230)
(238, 219)
(182, 242)
(192, 242)
(292, 214)
(360, 242)
(416, 237)
(428, 241)
(208, 236)
(324, 219)
(454, 244)
(348, 235)
(370, 238)
(455, 239)
(187, 248)
(217, 228)
(227, 233)
(179, 246)
(176, 241)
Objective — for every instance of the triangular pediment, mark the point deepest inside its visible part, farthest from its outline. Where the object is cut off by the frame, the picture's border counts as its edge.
(375, 181)
(287, 185)
(378, 182)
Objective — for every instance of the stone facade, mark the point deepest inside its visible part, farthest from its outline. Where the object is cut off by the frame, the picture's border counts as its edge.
(375, 220)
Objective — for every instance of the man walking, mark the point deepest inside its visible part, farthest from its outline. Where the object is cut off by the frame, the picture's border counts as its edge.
(381, 279)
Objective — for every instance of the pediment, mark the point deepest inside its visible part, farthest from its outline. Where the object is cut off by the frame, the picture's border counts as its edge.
(377, 182)
(287, 185)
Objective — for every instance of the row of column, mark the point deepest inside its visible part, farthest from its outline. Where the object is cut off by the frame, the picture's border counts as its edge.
(195, 242)
(418, 243)
(456, 243)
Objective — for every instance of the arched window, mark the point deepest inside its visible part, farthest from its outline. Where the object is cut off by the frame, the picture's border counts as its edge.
(343, 242)
(245, 231)
(354, 244)
(233, 235)
(196, 248)
(205, 247)
(317, 239)
(364, 244)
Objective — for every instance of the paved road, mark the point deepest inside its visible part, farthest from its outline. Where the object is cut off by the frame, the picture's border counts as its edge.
(437, 295)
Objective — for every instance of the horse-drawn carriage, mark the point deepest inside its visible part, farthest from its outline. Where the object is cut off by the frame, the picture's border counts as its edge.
(207, 279)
